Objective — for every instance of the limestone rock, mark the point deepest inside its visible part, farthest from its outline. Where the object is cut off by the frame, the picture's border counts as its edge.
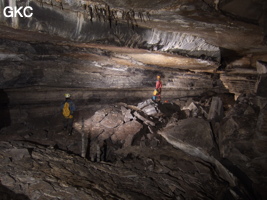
(127, 114)
(196, 141)
(150, 110)
(191, 109)
(126, 132)
(193, 131)
(144, 118)
(145, 103)
(18, 154)
(112, 120)
(135, 158)
(216, 109)
(242, 138)
(261, 89)
(96, 130)
(99, 116)
(249, 111)
(261, 67)
(54, 174)
(261, 123)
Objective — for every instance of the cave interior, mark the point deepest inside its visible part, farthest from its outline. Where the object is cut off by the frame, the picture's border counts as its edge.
(205, 138)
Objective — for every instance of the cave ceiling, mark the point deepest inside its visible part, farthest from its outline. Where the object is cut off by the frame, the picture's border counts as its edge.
(177, 26)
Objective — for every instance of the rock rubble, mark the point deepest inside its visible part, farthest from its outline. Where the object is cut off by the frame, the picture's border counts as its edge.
(149, 151)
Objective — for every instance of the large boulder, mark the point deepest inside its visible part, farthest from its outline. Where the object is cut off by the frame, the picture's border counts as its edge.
(112, 120)
(150, 108)
(126, 132)
(123, 125)
(112, 127)
(195, 132)
(261, 67)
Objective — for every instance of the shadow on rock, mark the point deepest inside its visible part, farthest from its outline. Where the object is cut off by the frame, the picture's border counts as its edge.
(7, 194)
(4, 110)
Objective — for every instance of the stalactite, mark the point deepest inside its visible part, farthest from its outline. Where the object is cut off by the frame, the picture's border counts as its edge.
(61, 5)
(96, 13)
(148, 15)
(123, 15)
(127, 18)
(109, 17)
(103, 12)
(141, 16)
(132, 15)
(115, 16)
(91, 13)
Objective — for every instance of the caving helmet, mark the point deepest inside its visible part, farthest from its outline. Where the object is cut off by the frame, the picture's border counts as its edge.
(67, 95)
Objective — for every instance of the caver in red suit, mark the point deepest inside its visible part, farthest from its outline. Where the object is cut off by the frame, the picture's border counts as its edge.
(158, 87)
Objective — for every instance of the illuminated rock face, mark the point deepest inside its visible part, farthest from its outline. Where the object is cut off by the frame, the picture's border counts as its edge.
(186, 49)
(43, 71)
(75, 23)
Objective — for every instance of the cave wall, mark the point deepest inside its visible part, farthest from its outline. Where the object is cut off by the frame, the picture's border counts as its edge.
(35, 76)
(47, 55)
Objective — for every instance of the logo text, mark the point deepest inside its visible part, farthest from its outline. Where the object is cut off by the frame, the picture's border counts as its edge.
(21, 12)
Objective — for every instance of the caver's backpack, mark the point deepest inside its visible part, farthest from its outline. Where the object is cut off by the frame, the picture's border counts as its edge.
(155, 92)
(66, 110)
